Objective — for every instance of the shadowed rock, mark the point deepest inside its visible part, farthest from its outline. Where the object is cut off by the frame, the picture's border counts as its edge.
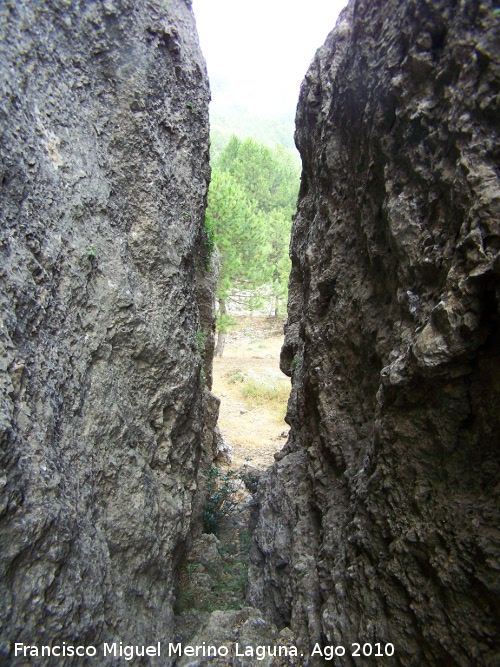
(104, 123)
(379, 523)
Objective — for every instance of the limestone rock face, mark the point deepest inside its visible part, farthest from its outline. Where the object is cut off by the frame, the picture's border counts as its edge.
(104, 125)
(380, 521)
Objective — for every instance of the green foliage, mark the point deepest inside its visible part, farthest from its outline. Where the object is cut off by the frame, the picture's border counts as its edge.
(220, 490)
(225, 322)
(201, 341)
(220, 583)
(295, 362)
(249, 479)
(231, 216)
(229, 154)
(270, 177)
(237, 376)
(92, 252)
(250, 205)
(209, 243)
(278, 225)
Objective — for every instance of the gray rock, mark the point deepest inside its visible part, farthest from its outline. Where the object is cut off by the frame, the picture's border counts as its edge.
(240, 638)
(104, 173)
(379, 523)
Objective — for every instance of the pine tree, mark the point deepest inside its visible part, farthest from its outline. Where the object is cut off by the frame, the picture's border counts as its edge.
(240, 242)
(250, 205)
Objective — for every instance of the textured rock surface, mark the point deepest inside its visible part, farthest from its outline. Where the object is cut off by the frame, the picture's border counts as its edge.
(104, 123)
(379, 523)
(246, 639)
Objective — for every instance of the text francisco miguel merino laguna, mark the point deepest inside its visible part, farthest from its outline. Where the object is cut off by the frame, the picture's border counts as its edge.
(119, 650)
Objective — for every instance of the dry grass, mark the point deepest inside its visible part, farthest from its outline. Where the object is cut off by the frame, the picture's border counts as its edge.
(265, 390)
(247, 378)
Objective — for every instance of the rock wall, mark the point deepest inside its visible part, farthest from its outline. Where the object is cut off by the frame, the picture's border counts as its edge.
(379, 523)
(104, 125)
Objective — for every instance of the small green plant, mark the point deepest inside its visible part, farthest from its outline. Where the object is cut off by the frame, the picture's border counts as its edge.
(91, 252)
(220, 490)
(268, 390)
(190, 106)
(496, 11)
(295, 362)
(201, 342)
(236, 376)
(219, 583)
(188, 595)
(225, 322)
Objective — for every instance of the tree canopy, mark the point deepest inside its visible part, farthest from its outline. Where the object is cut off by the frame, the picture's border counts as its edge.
(251, 200)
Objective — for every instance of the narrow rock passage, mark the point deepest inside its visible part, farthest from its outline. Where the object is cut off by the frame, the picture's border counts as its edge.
(211, 601)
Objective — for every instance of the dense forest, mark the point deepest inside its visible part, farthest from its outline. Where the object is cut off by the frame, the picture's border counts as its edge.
(251, 201)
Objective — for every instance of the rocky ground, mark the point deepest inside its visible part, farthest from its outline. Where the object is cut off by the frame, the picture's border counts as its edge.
(212, 581)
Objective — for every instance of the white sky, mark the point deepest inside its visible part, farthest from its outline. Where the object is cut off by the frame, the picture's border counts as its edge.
(258, 51)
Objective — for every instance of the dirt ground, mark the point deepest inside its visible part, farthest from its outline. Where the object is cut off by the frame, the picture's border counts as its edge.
(253, 394)
(254, 431)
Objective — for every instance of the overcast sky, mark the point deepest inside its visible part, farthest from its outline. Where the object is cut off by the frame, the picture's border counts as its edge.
(258, 51)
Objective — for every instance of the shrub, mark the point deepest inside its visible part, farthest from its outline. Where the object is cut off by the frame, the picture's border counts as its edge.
(268, 390)
(227, 584)
(237, 376)
(92, 252)
(220, 490)
(201, 341)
